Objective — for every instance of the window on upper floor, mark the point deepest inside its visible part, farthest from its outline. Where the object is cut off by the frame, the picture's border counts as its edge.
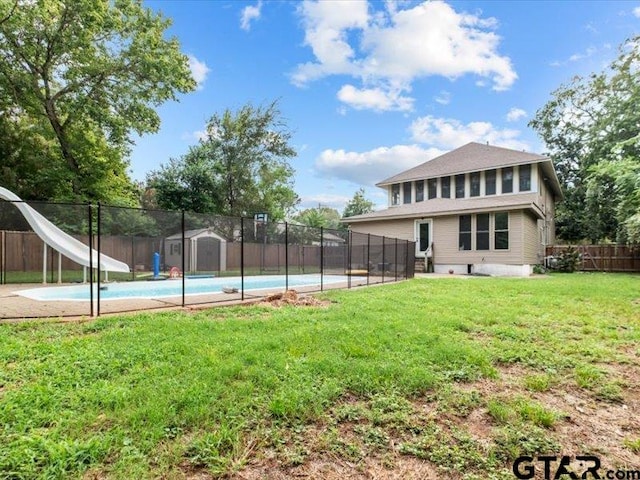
(525, 178)
(501, 231)
(475, 184)
(445, 187)
(395, 194)
(464, 236)
(482, 231)
(432, 188)
(406, 192)
(490, 182)
(419, 190)
(460, 186)
(507, 180)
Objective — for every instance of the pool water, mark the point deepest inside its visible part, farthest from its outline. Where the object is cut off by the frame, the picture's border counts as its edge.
(173, 288)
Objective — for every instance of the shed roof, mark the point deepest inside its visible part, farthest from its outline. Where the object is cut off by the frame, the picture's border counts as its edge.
(188, 234)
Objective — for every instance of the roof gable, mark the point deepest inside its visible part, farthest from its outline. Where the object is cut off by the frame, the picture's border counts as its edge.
(468, 158)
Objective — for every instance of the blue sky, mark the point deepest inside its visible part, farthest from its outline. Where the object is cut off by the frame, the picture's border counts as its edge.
(372, 88)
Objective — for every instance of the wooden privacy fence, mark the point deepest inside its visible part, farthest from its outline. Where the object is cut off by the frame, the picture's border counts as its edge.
(603, 258)
(23, 251)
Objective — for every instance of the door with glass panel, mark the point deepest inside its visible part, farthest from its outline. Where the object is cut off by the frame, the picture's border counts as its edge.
(423, 238)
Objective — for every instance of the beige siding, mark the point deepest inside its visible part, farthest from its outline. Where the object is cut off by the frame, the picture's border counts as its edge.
(403, 229)
(532, 252)
(445, 243)
(546, 201)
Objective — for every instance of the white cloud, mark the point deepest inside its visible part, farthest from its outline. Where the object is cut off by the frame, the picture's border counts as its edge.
(387, 50)
(368, 168)
(197, 135)
(325, 200)
(249, 13)
(199, 71)
(636, 12)
(443, 98)
(576, 57)
(515, 114)
(449, 133)
(374, 99)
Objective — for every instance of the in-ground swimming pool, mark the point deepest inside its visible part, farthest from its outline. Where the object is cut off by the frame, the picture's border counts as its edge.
(173, 288)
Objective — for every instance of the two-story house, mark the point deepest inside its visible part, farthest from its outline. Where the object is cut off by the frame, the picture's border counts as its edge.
(477, 209)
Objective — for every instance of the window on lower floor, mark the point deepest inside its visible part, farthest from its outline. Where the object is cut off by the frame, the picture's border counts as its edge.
(464, 240)
(482, 231)
(501, 231)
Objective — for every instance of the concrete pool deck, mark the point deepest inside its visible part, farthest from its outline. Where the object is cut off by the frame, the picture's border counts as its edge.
(14, 307)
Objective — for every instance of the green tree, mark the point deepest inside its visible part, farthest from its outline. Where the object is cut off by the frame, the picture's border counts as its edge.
(586, 123)
(325, 217)
(615, 186)
(81, 75)
(239, 169)
(358, 205)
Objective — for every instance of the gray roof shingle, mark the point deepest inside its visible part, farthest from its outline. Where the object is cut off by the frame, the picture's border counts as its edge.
(468, 158)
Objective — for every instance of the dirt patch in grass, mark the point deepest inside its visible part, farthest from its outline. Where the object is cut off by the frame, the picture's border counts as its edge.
(455, 432)
(292, 298)
(329, 467)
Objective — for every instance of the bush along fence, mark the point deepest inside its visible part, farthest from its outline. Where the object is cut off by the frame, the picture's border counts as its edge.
(157, 258)
(600, 258)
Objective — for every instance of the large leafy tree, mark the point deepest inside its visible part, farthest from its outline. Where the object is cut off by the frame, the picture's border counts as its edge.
(358, 205)
(325, 217)
(588, 123)
(78, 77)
(240, 168)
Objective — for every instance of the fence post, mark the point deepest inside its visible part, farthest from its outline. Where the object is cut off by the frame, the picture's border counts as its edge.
(368, 256)
(241, 258)
(286, 256)
(406, 261)
(91, 259)
(2, 235)
(98, 266)
(184, 251)
(396, 260)
(133, 258)
(349, 240)
(321, 259)
(383, 259)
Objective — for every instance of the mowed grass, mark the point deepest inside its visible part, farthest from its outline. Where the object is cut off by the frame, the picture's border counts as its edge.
(169, 394)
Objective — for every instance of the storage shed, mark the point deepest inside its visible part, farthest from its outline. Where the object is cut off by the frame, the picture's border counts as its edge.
(205, 251)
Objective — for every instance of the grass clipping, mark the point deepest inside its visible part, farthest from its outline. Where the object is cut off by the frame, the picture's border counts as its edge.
(292, 298)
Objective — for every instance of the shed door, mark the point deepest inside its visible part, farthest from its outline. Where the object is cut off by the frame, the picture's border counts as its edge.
(208, 254)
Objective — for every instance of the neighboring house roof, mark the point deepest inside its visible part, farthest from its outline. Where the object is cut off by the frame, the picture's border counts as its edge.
(188, 234)
(332, 238)
(453, 206)
(474, 157)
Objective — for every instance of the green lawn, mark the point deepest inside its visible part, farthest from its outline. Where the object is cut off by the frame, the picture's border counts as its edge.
(462, 374)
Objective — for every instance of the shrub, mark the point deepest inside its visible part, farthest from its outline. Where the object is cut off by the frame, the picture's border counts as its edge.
(566, 261)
